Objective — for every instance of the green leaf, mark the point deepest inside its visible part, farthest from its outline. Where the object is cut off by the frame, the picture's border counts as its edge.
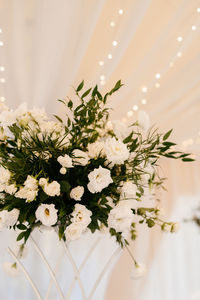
(65, 186)
(128, 138)
(165, 137)
(70, 104)
(188, 159)
(21, 236)
(62, 101)
(94, 91)
(21, 227)
(86, 93)
(150, 223)
(80, 86)
(58, 118)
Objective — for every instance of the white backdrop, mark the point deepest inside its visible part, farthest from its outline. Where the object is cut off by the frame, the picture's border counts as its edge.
(52, 45)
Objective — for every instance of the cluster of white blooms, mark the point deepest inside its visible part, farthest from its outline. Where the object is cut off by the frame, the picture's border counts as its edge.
(96, 149)
(121, 217)
(4, 178)
(47, 214)
(81, 218)
(30, 189)
(51, 189)
(77, 192)
(116, 151)
(66, 162)
(8, 218)
(99, 179)
(128, 190)
(80, 157)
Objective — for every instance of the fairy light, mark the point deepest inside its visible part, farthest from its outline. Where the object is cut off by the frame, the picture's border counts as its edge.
(109, 56)
(2, 80)
(0, 30)
(114, 43)
(2, 99)
(144, 89)
(194, 27)
(121, 12)
(130, 113)
(101, 63)
(102, 77)
(198, 9)
(1, 43)
(2, 69)
(157, 85)
(179, 54)
(144, 101)
(157, 75)
(112, 24)
(135, 107)
(179, 38)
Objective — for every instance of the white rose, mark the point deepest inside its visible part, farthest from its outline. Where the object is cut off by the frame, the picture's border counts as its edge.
(120, 129)
(116, 151)
(4, 175)
(63, 171)
(120, 217)
(96, 149)
(80, 157)
(77, 192)
(52, 189)
(65, 161)
(31, 183)
(46, 214)
(128, 190)
(43, 181)
(11, 189)
(73, 231)
(99, 179)
(139, 270)
(26, 193)
(81, 215)
(8, 218)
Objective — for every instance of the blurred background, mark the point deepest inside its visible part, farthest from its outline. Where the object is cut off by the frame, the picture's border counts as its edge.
(153, 46)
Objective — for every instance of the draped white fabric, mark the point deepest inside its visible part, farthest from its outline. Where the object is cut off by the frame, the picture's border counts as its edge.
(50, 46)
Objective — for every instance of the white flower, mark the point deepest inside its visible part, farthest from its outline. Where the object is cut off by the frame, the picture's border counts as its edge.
(99, 179)
(65, 161)
(11, 189)
(139, 270)
(46, 214)
(175, 227)
(73, 231)
(43, 181)
(11, 269)
(120, 217)
(26, 193)
(96, 149)
(80, 157)
(8, 218)
(116, 151)
(52, 189)
(110, 201)
(81, 215)
(63, 171)
(4, 175)
(143, 120)
(31, 183)
(77, 192)
(128, 190)
(120, 129)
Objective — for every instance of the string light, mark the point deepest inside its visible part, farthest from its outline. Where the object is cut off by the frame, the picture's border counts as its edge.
(198, 9)
(179, 54)
(135, 107)
(114, 43)
(102, 77)
(2, 80)
(0, 30)
(157, 75)
(144, 101)
(144, 89)
(120, 12)
(101, 63)
(2, 69)
(130, 113)
(112, 24)
(157, 85)
(109, 56)
(1, 43)
(179, 38)
(194, 27)
(2, 99)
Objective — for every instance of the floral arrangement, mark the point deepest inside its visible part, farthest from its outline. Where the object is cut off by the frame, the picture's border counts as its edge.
(84, 173)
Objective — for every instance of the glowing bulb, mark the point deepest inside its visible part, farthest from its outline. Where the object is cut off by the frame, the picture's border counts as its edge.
(144, 101)
(198, 9)
(2, 80)
(0, 30)
(102, 77)
(179, 54)
(109, 56)
(2, 99)
(144, 89)
(157, 75)
(135, 107)
(120, 12)
(112, 24)
(130, 113)
(1, 43)
(179, 38)
(157, 85)
(114, 43)
(101, 63)
(2, 69)
(194, 27)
